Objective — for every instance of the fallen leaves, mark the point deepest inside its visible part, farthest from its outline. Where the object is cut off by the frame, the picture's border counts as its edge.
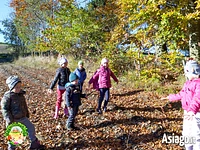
(136, 119)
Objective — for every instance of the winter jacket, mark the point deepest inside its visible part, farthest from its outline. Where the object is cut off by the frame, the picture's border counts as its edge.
(62, 76)
(81, 74)
(189, 96)
(94, 82)
(73, 95)
(103, 74)
(13, 106)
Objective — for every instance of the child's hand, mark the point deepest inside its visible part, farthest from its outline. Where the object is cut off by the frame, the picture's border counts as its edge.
(164, 98)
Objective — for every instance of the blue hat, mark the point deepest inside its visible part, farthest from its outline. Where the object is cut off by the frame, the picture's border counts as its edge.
(12, 81)
(72, 77)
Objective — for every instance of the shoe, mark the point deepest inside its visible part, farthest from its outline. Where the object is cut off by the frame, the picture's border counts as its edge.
(74, 127)
(9, 148)
(104, 109)
(99, 111)
(69, 127)
(35, 145)
(56, 112)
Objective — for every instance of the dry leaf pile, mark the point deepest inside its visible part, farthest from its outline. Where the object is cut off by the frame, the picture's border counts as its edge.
(135, 119)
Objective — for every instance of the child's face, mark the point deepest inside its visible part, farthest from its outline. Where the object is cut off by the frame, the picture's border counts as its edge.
(80, 66)
(105, 64)
(64, 65)
(17, 88)
(75, 82)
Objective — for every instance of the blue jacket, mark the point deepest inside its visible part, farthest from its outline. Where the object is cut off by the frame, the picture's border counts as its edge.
(73, 95)
(81, 75)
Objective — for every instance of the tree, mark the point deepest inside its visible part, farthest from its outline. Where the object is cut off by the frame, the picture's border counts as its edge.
(168, 21)
(31, 19)
(11, 37)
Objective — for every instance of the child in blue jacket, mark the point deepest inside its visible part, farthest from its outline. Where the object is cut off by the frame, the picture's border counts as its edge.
(73, 99)
(81, 73)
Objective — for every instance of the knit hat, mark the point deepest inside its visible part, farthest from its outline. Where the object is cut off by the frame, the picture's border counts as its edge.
(72, 77)
(12, 81)
(62, 60)
(104, 60)
(192, 68)
(80, 62)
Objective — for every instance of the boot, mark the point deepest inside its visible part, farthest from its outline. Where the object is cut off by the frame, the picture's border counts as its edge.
(66, 111)
(56, 113)
(69, 126)
(35, 145)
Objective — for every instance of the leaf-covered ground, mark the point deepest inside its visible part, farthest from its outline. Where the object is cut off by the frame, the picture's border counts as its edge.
(136, 119)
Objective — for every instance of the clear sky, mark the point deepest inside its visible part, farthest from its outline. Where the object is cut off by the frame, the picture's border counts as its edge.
(5, 10)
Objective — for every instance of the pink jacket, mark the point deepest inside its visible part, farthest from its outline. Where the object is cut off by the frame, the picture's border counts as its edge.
(189, 96)
(103, 75)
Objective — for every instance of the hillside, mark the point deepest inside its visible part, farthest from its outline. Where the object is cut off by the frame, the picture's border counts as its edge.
(136, 119)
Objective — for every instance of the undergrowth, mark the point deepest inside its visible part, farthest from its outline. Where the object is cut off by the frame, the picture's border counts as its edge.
(129, 79)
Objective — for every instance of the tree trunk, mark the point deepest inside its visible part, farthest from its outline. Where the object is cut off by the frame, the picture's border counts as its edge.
(194, 39)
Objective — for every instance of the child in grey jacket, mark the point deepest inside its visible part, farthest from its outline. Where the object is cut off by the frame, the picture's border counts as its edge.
(14, 109)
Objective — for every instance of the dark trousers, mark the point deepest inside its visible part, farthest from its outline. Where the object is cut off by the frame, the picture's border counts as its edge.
(72, 115)
(104, 92)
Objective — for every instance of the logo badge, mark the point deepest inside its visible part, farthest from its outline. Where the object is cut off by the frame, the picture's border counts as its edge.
(16, 133)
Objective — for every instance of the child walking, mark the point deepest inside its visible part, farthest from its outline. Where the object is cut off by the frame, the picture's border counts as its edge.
(190, 99)
(103, 75)
(81, 73)
(14, 109)
(73, 100)
(62, 77)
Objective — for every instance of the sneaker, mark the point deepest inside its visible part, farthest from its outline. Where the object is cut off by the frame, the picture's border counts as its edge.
(36, 145)
(99, 111)
(104, 109)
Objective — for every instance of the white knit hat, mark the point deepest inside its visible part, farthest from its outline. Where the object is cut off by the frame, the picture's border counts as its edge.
(104, 60)
(62, 61)
(192, 68)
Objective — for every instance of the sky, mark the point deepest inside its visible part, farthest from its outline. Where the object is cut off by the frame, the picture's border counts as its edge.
(5, 10)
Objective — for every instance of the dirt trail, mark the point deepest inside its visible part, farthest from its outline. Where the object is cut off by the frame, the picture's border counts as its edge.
(135, 119)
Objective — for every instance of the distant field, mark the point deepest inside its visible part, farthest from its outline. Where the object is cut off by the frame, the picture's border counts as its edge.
(5, 53)
(4, 48)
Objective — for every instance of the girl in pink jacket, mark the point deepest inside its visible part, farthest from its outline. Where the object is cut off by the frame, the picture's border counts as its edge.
(103, 75)
(190, 99)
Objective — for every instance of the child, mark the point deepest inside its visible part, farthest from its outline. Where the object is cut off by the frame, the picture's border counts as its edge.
(73, 99)
(14, 109)
(81, 73)
(62, 77)
(190, 99)
(103, 75)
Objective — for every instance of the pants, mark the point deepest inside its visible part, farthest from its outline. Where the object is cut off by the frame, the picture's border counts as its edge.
(81, 87)
(191, 130)
(104, 92)
(30, 128)
(59, 97)
(72, 115)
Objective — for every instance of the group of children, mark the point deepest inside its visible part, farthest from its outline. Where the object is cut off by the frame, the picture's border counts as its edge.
(14, 106)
